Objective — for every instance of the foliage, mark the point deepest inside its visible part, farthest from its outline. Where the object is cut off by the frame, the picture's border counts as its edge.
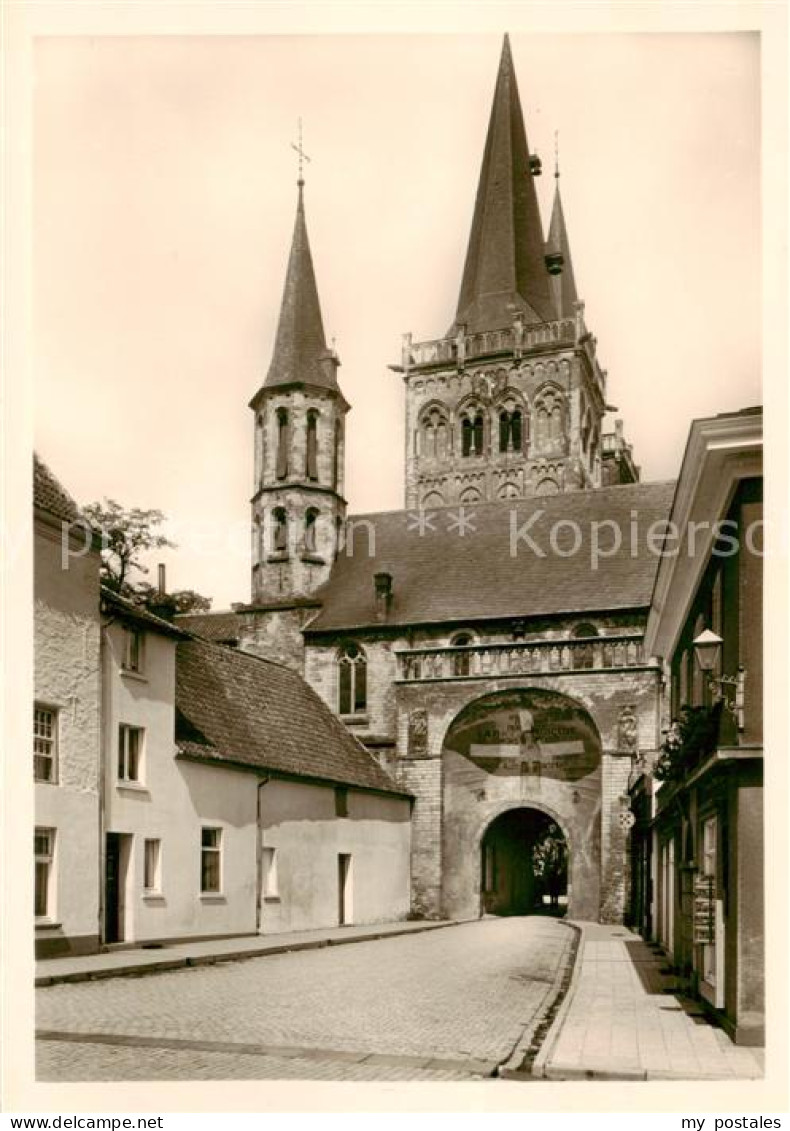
(182, 600)
(550, 857)
(126, 536)
(690, 738)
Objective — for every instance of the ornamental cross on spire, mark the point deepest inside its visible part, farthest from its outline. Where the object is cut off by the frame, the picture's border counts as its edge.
(302, 155)
(557, 154)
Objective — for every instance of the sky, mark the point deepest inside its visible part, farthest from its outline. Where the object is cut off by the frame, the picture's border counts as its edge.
(163, 205)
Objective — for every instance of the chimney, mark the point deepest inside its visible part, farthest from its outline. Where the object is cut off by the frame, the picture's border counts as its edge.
(161, 604)
(383, 582)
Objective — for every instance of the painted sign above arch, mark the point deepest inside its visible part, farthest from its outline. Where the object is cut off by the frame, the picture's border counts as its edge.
(527, 732)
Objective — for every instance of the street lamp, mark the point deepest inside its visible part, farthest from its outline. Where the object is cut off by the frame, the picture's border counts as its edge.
(707, 647)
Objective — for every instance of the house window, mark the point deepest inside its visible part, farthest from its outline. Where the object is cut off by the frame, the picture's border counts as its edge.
(132, 650)
(270, 885)
(151, 865)
(45, 743)
(352, 680)
(341, 801)
(210, 860)
(311, 466)
(283, 443)
(44, 852)
(130, 753)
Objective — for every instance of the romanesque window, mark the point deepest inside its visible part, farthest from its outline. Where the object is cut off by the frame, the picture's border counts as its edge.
(584, 628)
(279, 531)
(352, 691)
(310, 531)
(549, 417)
(435, 434)
(283, 443)
(510, 430)
(260, 447)
(472, 433)
(311, 456)
(336, 457)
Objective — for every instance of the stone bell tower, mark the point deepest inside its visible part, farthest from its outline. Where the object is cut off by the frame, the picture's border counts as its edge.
(298, 508)
(510, 402)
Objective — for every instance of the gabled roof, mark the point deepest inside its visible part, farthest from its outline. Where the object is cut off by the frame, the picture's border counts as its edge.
(505, 269)
(563, 284)
(300, 350)
(50, 496)
(219, 627)
(128, 610)
(236, 709)
(440, 575)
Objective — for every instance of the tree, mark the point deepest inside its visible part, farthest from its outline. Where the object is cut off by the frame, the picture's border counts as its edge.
(126, 536)
(550, 862)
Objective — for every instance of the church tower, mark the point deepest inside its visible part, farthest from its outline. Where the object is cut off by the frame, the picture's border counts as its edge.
(510, 402)
(298, 507)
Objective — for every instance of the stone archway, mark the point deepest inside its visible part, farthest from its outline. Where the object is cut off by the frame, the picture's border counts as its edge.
(523, 864)
(524, 748)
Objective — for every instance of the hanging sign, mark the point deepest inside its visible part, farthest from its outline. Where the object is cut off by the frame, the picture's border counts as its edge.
(704, 911)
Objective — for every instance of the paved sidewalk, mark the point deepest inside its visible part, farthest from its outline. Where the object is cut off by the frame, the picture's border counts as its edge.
(145, 960)
(621, 1021)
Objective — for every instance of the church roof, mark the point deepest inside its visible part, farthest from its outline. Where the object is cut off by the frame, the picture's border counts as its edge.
(563, 284)
(50, 496)
(505, 266)
(484, 574)
(300, 350)
(238, 710)
(221, 627)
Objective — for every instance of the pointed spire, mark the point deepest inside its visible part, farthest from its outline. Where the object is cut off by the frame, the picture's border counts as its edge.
(300, 350)
(505, 270)
(558, 251)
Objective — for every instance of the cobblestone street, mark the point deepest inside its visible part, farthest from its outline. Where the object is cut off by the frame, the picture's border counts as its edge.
(445, 1005)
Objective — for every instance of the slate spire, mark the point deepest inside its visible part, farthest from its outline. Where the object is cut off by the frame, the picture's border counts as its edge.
(558, 249)
(505, 271)
(300, 350)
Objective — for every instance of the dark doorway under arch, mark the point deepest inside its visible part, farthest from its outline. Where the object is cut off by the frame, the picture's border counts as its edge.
(524, 865)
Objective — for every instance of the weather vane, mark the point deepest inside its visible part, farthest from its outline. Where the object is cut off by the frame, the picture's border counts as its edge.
(302, 155)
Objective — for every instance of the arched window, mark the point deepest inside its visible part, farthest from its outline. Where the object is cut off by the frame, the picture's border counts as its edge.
(310, 529)
(504, 430)
(338, 536)
(549, 418)
(433, 434)
(462, 661)
(283, 443)
(516, 430)
(311, 459)
(352, 690)
(259, 448)
(477, 430)
(467, 436)
(336, 457)
(279, 531)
